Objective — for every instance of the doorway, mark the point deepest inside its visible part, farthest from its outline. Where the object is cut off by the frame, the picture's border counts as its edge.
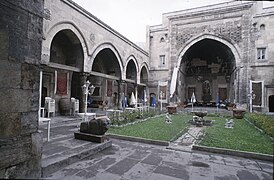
(271, 103)
(223, 94)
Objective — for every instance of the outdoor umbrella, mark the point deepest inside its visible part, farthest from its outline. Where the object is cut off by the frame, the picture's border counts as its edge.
(132, 99)
(173, 81)
(193, 100)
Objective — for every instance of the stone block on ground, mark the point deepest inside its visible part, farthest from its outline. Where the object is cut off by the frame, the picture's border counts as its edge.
(90, 137)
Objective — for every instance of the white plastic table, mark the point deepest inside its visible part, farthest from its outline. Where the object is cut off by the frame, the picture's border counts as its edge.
(87, 116)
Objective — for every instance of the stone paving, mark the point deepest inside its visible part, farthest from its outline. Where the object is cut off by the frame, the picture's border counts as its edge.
(131, 160)
(63, 149)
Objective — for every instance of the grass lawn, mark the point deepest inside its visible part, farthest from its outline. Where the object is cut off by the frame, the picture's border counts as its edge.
(155, 128)
(242, 137)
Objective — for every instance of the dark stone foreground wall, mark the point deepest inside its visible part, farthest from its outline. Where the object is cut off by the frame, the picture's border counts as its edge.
(21, 23)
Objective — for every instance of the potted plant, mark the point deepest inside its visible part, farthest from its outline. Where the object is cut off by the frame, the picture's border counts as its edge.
(230, 106)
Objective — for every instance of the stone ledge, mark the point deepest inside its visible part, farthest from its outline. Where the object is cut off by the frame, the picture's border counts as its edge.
(137, 139)
(60, 161)
(244, 154)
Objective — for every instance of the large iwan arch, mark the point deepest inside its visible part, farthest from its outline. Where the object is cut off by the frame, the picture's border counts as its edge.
(207, 66)
(233, 47)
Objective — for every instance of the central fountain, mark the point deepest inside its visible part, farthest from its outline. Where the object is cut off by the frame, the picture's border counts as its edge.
(198, 119)
(201, 114)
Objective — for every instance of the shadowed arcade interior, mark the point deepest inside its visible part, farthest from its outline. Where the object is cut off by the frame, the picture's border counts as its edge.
(105, 83)
(207, 70)
(66, 49)
(131, 72)
(107, 63)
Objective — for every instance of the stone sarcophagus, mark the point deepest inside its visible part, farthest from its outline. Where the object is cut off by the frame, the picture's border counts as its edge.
(93, 130)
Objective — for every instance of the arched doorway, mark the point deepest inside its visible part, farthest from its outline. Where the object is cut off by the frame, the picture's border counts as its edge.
(271, 103)
(66, 49)
(61, 77)
(208, 67)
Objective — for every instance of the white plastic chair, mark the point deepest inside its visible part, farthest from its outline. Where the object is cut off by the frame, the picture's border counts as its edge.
(74, 106)
(50, 105)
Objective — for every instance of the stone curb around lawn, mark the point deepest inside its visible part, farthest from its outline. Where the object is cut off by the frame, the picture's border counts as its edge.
(142, 140)
(244, 154)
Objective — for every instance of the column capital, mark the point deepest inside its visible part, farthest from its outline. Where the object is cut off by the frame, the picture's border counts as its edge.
(84, 74)
(121, 81)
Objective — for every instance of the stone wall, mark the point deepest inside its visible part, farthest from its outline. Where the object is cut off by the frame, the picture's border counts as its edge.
(20, 52)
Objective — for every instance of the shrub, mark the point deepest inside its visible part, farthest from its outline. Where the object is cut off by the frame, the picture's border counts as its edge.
(262, 121)
(131, 116)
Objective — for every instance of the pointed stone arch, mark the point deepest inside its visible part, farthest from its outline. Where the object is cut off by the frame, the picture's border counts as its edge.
(132, 68)
(51, 33)
(132, 57)
(101, 47)
(182, 55)
(233, 47)
(144, 73)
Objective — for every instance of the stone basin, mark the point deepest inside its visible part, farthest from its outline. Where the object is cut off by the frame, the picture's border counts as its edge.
(239, 113)
(171, 109)
(200, 113)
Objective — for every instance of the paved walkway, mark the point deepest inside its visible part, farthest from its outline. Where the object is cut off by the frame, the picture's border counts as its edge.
(187, 140)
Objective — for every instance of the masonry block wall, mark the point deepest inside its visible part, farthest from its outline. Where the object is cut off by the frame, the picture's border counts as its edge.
(263, 70)
(20, 51)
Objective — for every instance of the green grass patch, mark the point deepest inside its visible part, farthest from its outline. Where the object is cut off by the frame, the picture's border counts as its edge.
(262, 121)
(243, 137)
(155, 128)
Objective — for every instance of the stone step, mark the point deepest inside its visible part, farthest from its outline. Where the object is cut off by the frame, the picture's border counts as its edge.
(68, 152)
(63, 149)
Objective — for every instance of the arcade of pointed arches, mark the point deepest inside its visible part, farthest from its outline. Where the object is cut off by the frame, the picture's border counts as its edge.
(66, 53)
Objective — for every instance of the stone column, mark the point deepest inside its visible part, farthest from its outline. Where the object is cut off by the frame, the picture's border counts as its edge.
(136, 93)
(120, 91)
(83, 79)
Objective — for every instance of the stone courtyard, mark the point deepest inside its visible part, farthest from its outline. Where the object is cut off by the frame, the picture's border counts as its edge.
(135, 160)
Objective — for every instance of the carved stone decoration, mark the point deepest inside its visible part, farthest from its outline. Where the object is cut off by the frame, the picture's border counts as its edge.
(47, 14)
(229, 31)
(92, 37)
(95, 126)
